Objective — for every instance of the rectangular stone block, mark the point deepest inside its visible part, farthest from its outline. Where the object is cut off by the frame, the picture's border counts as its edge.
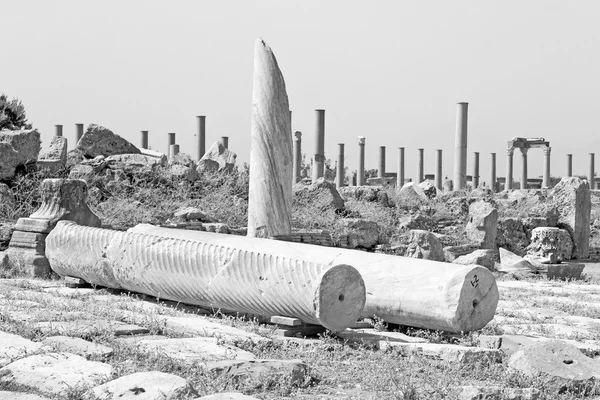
(33, 225)
(29, 240)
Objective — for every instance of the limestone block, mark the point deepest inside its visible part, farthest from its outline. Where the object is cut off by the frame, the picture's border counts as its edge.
(149, 385)
(81, 171)
(17, 148)
(331, 295)
(511, 263)
(411, 192)
(270, 191)
(98, 140)
(192, 213)
(134, 163)
(361, 233)
(321, 193)
(482, 225)
(425, 245)
(511, 235)
(370, 194)
(401, 290)
(57, 150)
(498, 393)
(293, 371)
(484, 257)
(572, 198)
(429, 189)
(53, 373)
(182, 159)
(552, 243)
(554, 359)
(74, 157)
(224, 158)
(183, 172)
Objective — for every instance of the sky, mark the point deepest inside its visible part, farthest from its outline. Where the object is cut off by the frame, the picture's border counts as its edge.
(391, 71)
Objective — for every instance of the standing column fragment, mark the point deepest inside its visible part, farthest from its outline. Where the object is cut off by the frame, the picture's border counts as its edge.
(420, 168)
(460, 146)
(79, 132)
(592, 171)
(475, 178)
(339, 179)
(171, 141)
(508, 184)
(400, 176)
(297, 176)
(546, 176)
(569, 165)
(361, 161)
(524, 168)
(58, 130)
(270, 187)
(225, 141)
(381, 169)
(319, 156)
(493, 184)
(201, 120)
(144, 138)
(438, 169)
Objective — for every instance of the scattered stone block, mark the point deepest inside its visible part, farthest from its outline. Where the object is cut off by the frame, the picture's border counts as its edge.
(447, 352)
(78, 346)
(484, 257)
(429, 189)
(293, 371)
(181, 171)
(425, 245)
(198, 326)
(411, 193)
(553, 243)
(321, 193)
(142, 386)
(372, 194)
(510, 344)
(98, 140)
(482, 226)
(53, 373)
(192, 213)
(513, 264)
(563, 363)
(217, 158)
(573, 200)
(193, 350)
(511, 235)
(56, 156)
(14, 347)
(17, 148)
(361, 232)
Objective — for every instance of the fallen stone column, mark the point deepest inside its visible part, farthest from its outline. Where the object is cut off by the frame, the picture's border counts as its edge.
(406, 291)
(213, 273)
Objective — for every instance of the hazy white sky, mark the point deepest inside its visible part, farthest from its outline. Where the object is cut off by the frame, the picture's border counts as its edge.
(392, 71)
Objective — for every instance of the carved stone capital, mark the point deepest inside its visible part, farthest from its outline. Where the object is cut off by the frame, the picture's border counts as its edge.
(546, 150)
(510, 151)
(361, 140)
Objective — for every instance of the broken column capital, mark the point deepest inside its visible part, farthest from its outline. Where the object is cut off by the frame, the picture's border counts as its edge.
(361, 140)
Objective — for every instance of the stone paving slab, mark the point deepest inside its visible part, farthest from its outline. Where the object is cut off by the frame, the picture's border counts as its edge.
(20, 396)
(88, 327)
(201, 326)
(510, 344)
(142, 386)
(295, 371)
(53, 373)
(198, 349)
(78, 346)
(14, 347)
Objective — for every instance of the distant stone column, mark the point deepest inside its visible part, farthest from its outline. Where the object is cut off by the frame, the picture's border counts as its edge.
(524, 167)
(361, 161)
(201, 119)
(438, 169)
(508, 183)
(144, 137)
(381, 169)
(475, 178)
(171, 140)
(339, 179)
(319, 157)
(58, 130)
(225, 141)
(460, 146)
(173, 150)
(270, 188)
(592, 172)
(297, 156)
(546, 176)
(420, 168)
(79, 132)
(400, 177)
(493, 184)
(569, 165)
